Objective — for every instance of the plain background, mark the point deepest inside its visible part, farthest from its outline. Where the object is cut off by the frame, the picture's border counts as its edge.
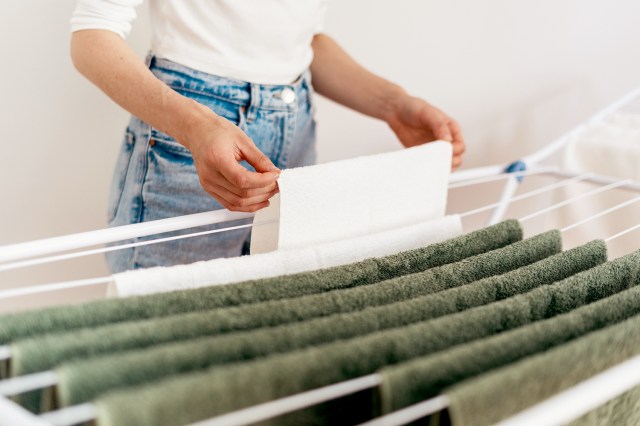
(515, 74)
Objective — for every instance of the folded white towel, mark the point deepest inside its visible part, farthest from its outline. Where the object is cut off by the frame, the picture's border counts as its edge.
(349, 198)
(237, 269)
(610, 148)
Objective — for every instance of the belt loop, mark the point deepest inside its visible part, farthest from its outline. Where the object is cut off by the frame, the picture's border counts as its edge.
(150, 59)
(306, 85)
(254, 102)
(306, 80)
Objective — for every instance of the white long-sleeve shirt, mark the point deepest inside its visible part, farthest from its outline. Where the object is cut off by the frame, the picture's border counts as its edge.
(260, 41)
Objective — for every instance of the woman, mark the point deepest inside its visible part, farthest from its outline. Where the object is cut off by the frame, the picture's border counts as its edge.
(224, 103)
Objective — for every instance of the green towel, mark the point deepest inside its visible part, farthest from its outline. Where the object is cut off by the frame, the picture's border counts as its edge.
(80, 381)
(45, 352)
(623, 410)
(58, 319)
(508, 390)
(426, 377)
(196, 396)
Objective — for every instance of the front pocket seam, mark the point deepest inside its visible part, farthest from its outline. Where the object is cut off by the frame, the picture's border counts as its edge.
(113, 213)
(168, 144)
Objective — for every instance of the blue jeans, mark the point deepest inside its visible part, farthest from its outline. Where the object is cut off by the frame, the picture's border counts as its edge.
(155, 177)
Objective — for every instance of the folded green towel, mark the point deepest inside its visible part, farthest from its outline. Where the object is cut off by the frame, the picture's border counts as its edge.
(80, 381)
(196, 396)
(425, 377)
(58, 319)
(504, 392)
(45, 352)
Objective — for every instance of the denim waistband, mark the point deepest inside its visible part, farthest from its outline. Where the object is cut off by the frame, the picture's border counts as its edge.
(188, 81)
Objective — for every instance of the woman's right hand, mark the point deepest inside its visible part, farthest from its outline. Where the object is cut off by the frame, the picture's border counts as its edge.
(217, 147)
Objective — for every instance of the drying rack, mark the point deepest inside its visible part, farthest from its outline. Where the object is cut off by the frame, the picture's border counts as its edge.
(559, 409)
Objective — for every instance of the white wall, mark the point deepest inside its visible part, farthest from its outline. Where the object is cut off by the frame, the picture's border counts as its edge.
(514, 73)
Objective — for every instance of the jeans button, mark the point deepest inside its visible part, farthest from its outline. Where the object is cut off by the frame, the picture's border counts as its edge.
(287, 95)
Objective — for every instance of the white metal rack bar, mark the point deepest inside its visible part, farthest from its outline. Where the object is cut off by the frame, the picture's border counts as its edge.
(281, 406)
(46, 288)
(509, 190)
(625, 232)
(13, 415)
(14, 255)
(577, 401)
(67, 256)
(529, 194)
(43, 288)
(47, 246)
(576, 198)
(411, 413)
(272, 409)
(22, 384)
(501, 176)
(80, 413)
(561, 142)
(602, 213)
(46, 379)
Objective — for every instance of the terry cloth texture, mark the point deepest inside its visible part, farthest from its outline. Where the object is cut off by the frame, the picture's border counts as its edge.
(60, 319)
(426, 377)
(44, 352)
(369, 201)
(282, 262)
(187, 398)
(623, 410)
(507, 391)
(80, 381)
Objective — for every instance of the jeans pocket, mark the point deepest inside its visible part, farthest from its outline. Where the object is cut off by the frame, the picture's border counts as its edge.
(222, 106)
(120, 174)
(171, 186)
(161, 141)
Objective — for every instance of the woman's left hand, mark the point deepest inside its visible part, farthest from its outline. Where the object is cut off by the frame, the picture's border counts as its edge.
(416, 122)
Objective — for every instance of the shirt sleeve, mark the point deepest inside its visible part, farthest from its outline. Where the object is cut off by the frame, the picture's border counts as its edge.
(112, 15)
(322, 13)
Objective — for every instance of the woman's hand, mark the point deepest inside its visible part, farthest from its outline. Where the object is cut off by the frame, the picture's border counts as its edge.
(216, 144)
(415, 122)
(337, 76)
(217, 147)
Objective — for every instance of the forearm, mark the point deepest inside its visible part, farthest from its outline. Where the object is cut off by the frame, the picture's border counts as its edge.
(107, 61)
(338, 77)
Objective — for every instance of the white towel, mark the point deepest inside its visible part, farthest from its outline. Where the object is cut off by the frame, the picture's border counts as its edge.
(237, 269)
(349, 198)
(611, 148)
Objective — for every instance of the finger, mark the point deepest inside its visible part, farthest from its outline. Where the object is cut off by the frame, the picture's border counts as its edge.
(256, 158)
(237, 201)
(442, 132)
(219, 179)
(241, 178)
(238, 207)
(458, 148)
(456, 162)
(456, 132)
(250, 209)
